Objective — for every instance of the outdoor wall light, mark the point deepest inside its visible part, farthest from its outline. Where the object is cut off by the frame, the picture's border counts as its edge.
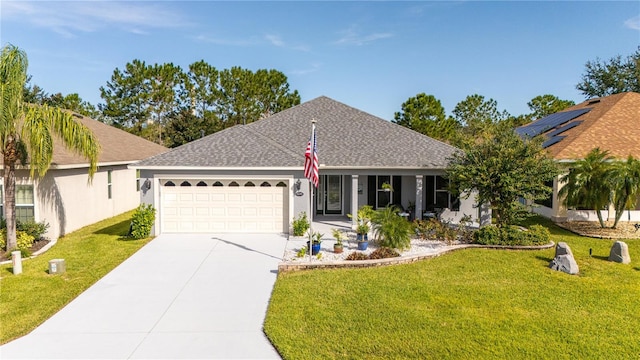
(296, 188)
(146, 186)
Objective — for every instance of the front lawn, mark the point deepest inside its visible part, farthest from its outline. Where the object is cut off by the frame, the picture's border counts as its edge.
(468, 304)
(30, 298)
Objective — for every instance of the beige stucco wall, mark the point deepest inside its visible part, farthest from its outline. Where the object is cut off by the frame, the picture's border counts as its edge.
(65, 199)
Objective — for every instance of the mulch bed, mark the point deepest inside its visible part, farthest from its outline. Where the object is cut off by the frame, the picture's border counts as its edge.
(37, 245)
(624, 230)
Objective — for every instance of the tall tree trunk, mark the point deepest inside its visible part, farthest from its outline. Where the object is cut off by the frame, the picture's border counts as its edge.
(10, 158)
(599, 213)
(620, 205)
(10, 202)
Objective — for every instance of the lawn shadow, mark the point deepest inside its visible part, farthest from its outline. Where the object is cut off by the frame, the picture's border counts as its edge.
(600, 257)
(544, 258)
(119, 229)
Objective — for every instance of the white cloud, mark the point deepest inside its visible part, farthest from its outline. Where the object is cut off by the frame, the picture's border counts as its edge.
(353, 37)
(633, 23)
(274, 40)
(69, 18)
(313, 68)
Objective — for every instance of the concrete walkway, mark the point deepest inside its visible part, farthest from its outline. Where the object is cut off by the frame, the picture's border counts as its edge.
(179, 297)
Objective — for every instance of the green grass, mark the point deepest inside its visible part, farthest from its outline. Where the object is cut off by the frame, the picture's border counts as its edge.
(469, 304)
(30, 298)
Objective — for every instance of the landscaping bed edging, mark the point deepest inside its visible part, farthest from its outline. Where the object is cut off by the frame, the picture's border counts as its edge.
(297, 266)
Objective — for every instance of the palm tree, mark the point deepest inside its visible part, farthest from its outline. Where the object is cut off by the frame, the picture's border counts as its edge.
(588, 184)
(27, 133)
(625, 175)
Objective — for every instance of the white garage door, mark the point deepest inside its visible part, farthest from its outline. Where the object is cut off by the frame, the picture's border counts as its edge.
(196, 206)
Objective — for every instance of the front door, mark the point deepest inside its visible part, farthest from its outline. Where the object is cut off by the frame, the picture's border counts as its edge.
(329, 199)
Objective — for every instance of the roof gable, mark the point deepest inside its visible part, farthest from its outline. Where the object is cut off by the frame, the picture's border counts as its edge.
(347, 137)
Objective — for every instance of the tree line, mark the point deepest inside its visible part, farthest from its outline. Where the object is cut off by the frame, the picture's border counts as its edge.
(172, 106)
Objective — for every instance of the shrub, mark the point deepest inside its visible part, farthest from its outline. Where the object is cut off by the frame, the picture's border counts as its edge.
(538, 235)
(383, 253)
(142, 221)
(390, 229)
(513, 235)
(357, 256)
(487, 235)
(24, 241)
(35, 229)
(300, 224)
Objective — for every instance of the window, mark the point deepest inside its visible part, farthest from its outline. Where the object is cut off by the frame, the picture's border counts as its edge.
(438, 196)
(281, 184)
(217, 183)
(249, 183)
(185, 183)
(137, 179)
(169, 183)
(233, 183)
(24, 203)
(201, 183)
(109, 184)
(265, 184)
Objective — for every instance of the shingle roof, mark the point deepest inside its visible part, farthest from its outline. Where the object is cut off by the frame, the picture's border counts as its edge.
(347, 137)
(612, 124)
(116, 146)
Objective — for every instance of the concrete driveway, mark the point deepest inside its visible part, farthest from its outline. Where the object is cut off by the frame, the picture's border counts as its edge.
(179, 297)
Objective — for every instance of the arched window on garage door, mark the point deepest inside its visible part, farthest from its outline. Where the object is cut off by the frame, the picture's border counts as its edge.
(265, 184)
(249, 183)
(185, 183)
(217, 183)
(169, 183)
(281, 184)
(201, 183)
(233, 183)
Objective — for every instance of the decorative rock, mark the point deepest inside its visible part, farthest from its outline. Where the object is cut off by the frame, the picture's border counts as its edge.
(564, 260)
(564, 263)
(563, 249)
(620, 253)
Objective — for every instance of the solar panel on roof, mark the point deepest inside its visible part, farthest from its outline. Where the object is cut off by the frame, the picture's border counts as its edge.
(560, 130)
(549, 122)
(552, 141)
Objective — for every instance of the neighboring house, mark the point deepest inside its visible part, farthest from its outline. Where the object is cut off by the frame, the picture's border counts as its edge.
(611, 123)
(249, 178)
(66, 200)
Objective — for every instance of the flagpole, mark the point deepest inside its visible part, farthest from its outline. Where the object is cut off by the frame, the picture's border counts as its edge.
(313, 146)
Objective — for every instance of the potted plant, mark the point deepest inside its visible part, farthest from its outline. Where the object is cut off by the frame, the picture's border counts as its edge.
(337, 247)
(315, 239)
(362, 227)
(362, 237)
(387, 187)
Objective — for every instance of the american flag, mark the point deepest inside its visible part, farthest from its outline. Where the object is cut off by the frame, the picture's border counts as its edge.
(311, 160)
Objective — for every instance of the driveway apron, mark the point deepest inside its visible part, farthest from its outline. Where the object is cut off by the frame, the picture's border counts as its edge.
(179, 297)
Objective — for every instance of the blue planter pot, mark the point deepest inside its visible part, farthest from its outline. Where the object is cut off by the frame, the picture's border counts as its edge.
(315, 248)
(363, 241)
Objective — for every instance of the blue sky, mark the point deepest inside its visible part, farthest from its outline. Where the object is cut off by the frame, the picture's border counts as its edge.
(370, 55)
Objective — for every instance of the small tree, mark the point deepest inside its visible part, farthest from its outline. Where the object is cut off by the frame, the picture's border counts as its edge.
(625, 177)
(588, 183)
(503, 169)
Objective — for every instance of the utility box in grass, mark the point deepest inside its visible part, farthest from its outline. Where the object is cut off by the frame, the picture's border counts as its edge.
(57, 266)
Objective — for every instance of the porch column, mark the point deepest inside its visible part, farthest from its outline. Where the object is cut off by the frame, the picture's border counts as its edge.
(419, 186)
(354, 201)
(559, 213)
